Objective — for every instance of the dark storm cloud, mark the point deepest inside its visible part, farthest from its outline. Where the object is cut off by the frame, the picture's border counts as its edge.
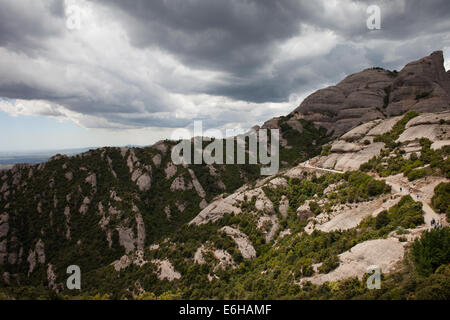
(238, 36)
(24, 25)
(243, 43)
(213, 33)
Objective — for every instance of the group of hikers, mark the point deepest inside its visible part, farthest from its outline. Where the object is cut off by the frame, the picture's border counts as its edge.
(410, 191)
(436, 224)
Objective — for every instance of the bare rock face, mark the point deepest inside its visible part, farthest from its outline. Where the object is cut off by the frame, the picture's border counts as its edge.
(157, 160)
(433, 126)
(36, 256)
(51, 277)
(231, 204)
(170, 170)
(350, 102)
(4, 228)
(268, 225)
(179, 184)
(92, 180)
(384, 253)
(161, 146)
(284, 206)
(242, 241)
(166, 270)
(69, 176)
(126, 238)
(123, 263)
(271, 124)
(140, 241)
(343, 147)
(144, 182)
(225, 260)
(198, 187)
(422, 85)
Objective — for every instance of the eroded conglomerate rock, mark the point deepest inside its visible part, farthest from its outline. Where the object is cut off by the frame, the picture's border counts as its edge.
(242, 241)
(384, 253)
(36, 256)
(224, 259)
(422, 85)
(269, 225)
(283, 207)
(166, 270)
(231, 204)
(170, 170)
(179, 184)
(359, 146)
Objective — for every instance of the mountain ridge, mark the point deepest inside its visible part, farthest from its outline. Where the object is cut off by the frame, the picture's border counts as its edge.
(140, 226)
(422, 85)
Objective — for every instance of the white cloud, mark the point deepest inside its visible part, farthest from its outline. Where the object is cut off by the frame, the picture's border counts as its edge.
(97, 77)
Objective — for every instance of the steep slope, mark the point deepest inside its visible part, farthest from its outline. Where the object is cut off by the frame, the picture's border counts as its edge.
(141, 227)
(91, 209)
(422, 85)
(274, 236)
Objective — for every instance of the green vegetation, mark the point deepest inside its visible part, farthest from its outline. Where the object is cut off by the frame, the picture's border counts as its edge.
(431, 251)
(423, 95)
(304, 145)
(430, 162)
(441, 199)
(279, 264)
(406, 214)
(390, 137)
(387, 96)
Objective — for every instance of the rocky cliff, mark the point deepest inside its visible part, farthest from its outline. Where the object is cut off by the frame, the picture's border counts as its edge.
(422, 85)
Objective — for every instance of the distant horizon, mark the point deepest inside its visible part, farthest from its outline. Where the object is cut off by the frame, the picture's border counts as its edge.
(78, 73)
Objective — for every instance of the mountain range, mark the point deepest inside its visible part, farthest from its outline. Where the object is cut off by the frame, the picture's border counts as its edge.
(364, 176)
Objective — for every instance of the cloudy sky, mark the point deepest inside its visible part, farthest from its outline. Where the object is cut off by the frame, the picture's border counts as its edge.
(79, 73)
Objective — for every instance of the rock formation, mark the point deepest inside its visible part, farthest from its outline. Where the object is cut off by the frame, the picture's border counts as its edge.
(422, 85)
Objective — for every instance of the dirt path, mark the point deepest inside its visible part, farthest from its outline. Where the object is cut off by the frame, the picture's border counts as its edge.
(307, 165)
(400, 188)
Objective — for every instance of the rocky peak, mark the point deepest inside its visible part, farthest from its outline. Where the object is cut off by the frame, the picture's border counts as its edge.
(422, 85)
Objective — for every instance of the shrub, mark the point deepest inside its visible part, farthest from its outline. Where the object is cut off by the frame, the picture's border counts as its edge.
(376, 187)
(314, 207)
(431, 251)
(329, 264)
(416, 174)
(381, 220)
(390, 137)
(441, 198)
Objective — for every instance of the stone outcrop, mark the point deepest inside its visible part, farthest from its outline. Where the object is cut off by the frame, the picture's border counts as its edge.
(225, 260)
(422, 85)
(268, 225)
(231, 204)
(384, 253)
(284, 206)
(242, 241)
(433, 126)
(4, 229)
(345, 155)
(179, 184)
(166, 270)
